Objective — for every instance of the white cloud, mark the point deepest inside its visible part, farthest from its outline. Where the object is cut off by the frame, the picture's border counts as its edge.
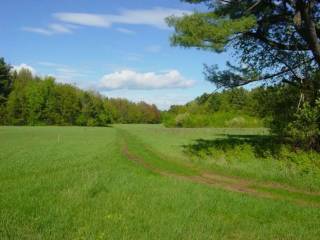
(153, 17)
(85, 19)
(61, 73)
(125, 30)
(42, 31)
(18, 68)
(51, 29)
(128, 79)
(58, 28)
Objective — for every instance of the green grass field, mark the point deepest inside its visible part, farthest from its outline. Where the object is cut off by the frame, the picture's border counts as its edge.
(149, 182)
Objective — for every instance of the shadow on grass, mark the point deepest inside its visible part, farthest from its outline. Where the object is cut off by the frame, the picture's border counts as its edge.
(261, 145)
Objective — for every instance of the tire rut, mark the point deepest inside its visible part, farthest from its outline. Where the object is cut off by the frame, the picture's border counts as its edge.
(230, 183)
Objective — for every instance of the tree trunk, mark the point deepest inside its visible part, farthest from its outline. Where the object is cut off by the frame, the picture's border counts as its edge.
(309, 28)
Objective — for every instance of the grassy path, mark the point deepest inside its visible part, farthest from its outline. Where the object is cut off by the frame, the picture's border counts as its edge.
(231, 152)
(169, 168)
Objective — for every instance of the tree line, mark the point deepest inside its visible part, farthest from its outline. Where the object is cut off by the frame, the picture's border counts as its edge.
(31, 100)
(273, 43)
(277, 107)
(228, 108)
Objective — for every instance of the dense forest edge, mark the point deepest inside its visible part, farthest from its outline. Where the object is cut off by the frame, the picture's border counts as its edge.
(31, 100)
(235, 108)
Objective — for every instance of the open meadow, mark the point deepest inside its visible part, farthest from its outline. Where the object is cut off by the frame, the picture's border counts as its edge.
(151, 182)
(111, 129)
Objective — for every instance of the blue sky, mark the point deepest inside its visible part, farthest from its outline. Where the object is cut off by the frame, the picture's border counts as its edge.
(119, 48)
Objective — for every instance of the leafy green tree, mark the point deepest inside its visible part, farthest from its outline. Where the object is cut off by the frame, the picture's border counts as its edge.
(50, 113)
(5, 88)
(35, 99)
(17, 107)
(5, 80)
(274, 40)
(67, 104)
(213, 103)
(41, 101)
(305, 127)
(93, 110)
(237, 99)
(148, 113)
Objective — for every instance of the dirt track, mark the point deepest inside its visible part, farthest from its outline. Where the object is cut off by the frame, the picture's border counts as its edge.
(230, 183)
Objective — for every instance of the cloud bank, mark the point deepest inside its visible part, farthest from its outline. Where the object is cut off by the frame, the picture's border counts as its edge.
(51, 29)
(18, 68)
(128, 79)
(153, 17)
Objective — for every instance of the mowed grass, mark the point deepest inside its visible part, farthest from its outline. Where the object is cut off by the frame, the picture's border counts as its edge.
(76, 183)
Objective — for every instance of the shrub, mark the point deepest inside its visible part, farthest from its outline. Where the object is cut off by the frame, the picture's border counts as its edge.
(181, 119)
(236, 122)
(304, 131)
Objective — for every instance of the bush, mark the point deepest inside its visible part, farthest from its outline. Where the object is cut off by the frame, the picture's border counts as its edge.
(304, 131)
(294, 124)
(181, 119)
(236, 122)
